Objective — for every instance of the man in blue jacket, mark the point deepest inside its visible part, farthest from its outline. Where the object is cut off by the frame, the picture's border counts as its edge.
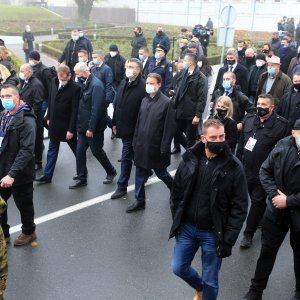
(91, 123)
(162, 39)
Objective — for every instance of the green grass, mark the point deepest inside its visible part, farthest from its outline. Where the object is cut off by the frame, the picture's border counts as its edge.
(26, 13)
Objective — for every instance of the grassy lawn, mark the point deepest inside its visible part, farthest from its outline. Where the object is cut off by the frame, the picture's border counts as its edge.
(26, 13)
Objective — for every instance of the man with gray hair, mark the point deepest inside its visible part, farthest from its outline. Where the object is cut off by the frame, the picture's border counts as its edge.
(91, 123)
(237, 68)
(32, 92)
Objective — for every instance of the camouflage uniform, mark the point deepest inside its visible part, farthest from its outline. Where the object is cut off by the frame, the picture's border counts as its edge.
(3, 254)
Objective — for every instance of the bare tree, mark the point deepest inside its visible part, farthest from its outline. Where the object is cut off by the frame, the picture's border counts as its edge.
(84, 9)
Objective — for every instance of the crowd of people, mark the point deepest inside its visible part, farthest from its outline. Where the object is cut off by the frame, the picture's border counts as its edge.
(248, 147)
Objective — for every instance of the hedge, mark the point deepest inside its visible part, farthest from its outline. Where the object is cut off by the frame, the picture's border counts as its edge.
(16, 61)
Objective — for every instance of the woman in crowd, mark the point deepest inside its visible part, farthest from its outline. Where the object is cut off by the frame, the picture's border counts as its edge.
(224, 112)
(4, 58)
(28, 39)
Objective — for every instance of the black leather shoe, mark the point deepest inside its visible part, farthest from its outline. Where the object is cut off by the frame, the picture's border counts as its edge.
(175, 150)
(78, 183)
(246, 242)
(43, 179)
(38, 166)
(137, 205)
(118, 194)
(109, 178)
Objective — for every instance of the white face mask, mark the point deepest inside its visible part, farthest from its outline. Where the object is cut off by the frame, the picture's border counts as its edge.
(113, 53)
(151, 89)
(27, 30)
(199, 63)
(80, 34)
(63, 82)
(259, 63)
(129, 73)
(32, 63)
(22, 76)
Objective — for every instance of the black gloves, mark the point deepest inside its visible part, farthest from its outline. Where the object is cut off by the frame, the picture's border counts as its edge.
(224, 250)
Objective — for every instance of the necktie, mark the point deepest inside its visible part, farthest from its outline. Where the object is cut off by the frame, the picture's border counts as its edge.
(230, 68)
(60, 87)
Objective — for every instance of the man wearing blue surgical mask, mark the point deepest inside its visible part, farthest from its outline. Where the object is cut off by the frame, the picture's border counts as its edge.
(274, 81)
(17, 139)
(70, 53)
(104, 73)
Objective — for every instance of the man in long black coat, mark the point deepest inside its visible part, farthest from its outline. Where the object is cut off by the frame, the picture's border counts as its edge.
(61, 117)
(152, 139)
(130, 95)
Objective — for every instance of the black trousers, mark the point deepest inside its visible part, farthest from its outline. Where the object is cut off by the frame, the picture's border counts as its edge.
(23, 196)
(39, 140)
(258, 206)
(272, 237)
(190, 131)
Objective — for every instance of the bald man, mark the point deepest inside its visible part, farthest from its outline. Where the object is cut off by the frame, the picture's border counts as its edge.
(32, 92)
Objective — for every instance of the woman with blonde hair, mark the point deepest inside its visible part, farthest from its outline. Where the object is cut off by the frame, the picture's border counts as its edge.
(4, 58)
(224, 112)
(7, 77)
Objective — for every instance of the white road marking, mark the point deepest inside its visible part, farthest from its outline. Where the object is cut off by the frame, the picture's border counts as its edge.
(80, 206)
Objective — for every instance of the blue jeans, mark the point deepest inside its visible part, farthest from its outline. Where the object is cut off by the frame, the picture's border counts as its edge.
(188, 240)
(53, 153)
(141, 176)
(96, 144)
(126, 163)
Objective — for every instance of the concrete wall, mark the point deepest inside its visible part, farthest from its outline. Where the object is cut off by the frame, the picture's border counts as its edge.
(100, 15)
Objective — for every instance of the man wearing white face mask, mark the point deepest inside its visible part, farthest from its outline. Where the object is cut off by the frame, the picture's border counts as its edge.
(131, 92)
(32, 92)
(61, 118)
(160, 65)
(152, 139)
(70, 53)
(254, 73)
(28, 39)
(117, 63)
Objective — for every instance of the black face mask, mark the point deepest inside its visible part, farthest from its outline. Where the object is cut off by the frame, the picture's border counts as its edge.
(296, 86)
(230, 62)
(159, 32)
(261, 112)
(266, 51)
(249, 59)
(221, 113)
(216, 147)
(81, 79)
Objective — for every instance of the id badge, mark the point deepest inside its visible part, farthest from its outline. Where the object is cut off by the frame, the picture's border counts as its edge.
(250, 144)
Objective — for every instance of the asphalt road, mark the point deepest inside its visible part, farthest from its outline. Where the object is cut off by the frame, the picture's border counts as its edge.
(89, 248)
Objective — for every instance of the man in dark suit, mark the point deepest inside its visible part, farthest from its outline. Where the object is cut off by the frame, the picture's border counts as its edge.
(237, 68)
(91, 123)
(144, 57)
(61, 118)
(33, 92)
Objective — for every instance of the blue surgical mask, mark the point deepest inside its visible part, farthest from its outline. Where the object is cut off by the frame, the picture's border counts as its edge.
(80, 59)
(141, 57)
(157, 55)
(297, 142)
(8, 104)
(185, 65)
(95, 61)
(271, 71)
(226, 85)
(75, 38)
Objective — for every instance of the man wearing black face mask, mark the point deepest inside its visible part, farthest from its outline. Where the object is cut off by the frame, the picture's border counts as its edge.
(209, 204)
(137, 42)
(162, 39)
(261, 132)
(249, 60)
(289, 105)
(237, 68)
